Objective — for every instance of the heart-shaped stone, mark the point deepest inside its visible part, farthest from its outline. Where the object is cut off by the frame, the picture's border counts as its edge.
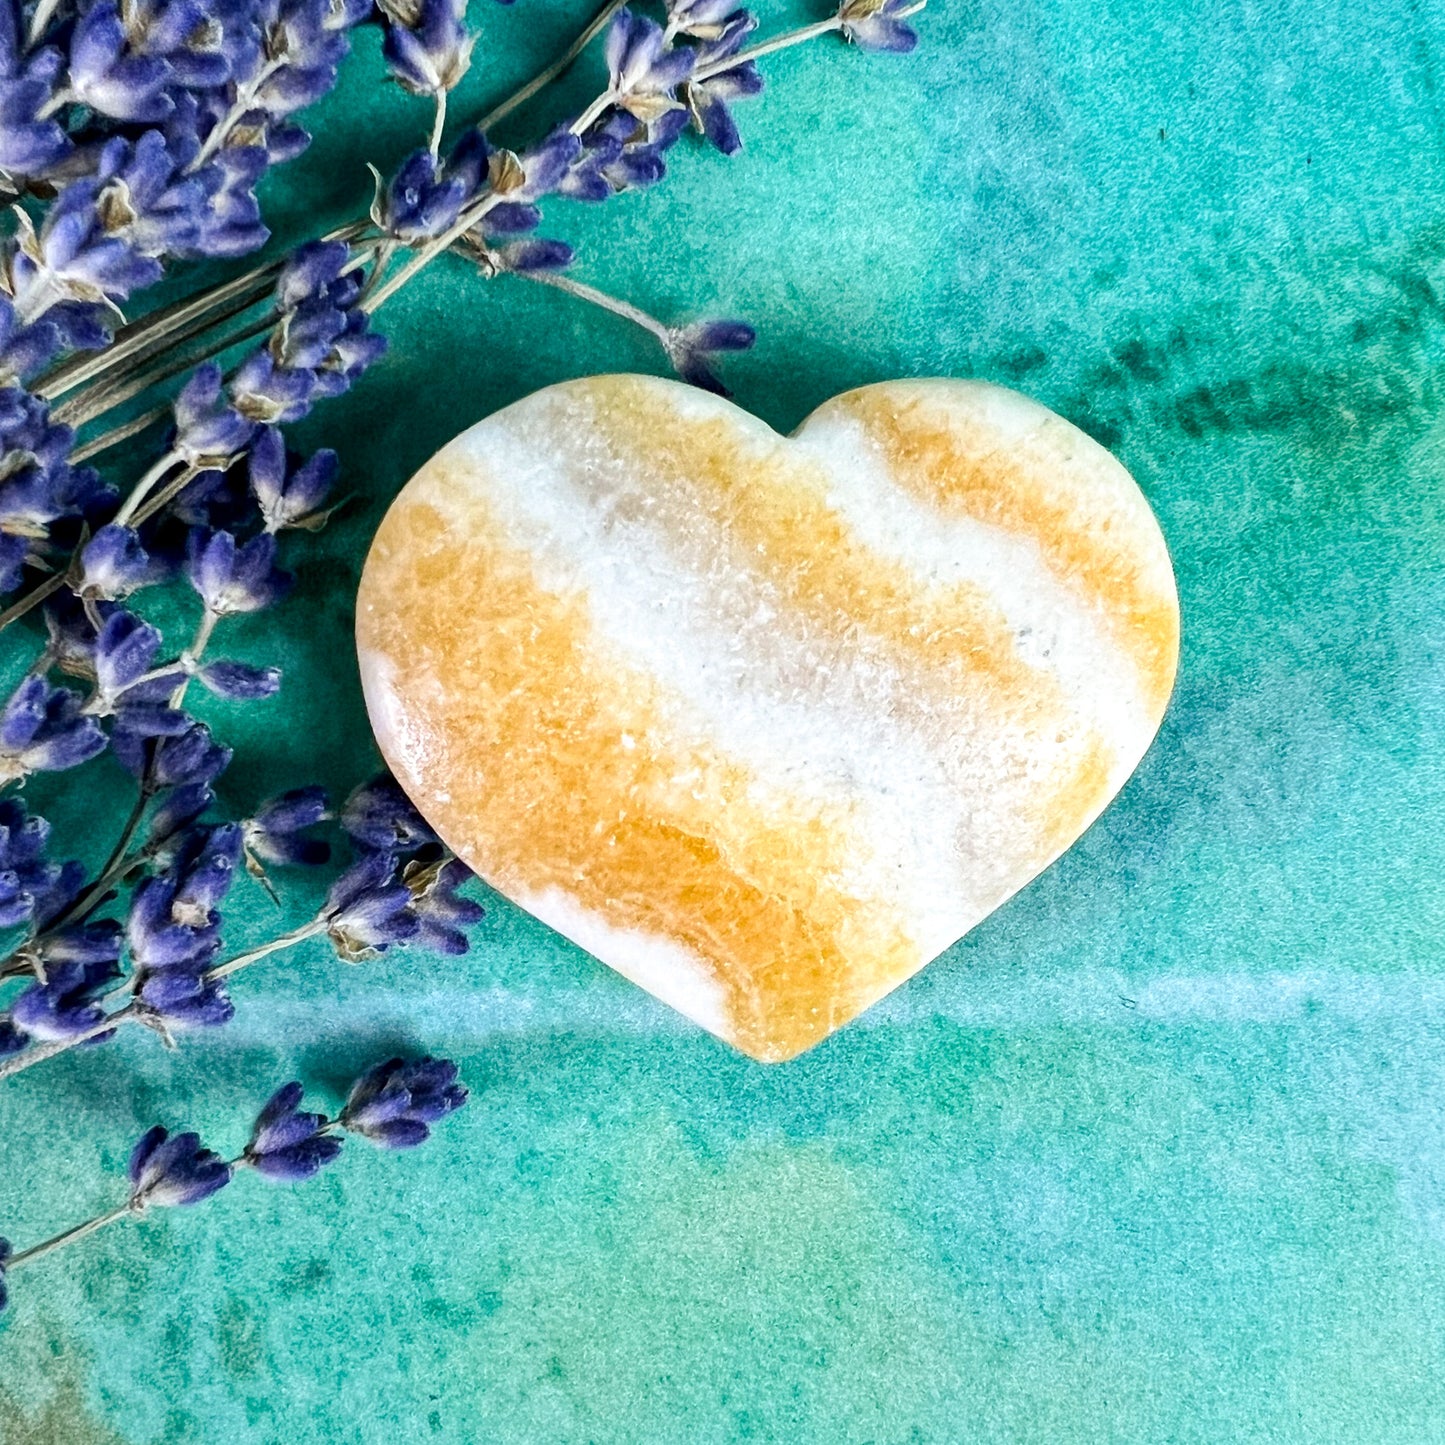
(766, 723)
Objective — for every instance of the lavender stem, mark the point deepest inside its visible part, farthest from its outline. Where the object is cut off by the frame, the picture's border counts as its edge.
(546, 76)
(68, 1236)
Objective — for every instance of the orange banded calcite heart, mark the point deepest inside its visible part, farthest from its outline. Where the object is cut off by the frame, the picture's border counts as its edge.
(766, 723)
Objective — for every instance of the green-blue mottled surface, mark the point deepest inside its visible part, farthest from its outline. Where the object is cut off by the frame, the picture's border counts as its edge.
(1158, 1153)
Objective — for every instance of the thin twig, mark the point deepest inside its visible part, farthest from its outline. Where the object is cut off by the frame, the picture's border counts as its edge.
(68, 1236)
(118, 434)
(38, 1053)
(545, 77)
(770, 47)
(591, 294)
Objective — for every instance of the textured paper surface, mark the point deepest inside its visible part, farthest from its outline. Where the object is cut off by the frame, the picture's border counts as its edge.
(1158, 1154)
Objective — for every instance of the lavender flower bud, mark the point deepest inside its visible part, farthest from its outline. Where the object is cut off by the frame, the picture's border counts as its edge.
(176, 998)
(29, 145)
(642, 71)
(114, 564)
(83, 943)
(171, 1171)
(287, 1144)
(438, 909)
(290, 498)
(24, 349)
(73, 260)
(42, 731)
(29, 883)
(379, 815)
(110, 77)
(420, 202)
(427, 45)
(703, 19)
(278, 831)
(395, 1103)
(879, 24)
(176, 809)
(209, 431)
(184, 757)
(67, 1003)
(522, 257)
(233, 578)
(691, 347)
(708, 99)
(11, 1041)
(238, 681)
(124, 652)
(368, 911)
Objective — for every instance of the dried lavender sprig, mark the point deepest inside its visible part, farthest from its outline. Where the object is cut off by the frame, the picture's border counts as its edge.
(686, 347)
(393, 1105)
(402, 889)
(643, 75)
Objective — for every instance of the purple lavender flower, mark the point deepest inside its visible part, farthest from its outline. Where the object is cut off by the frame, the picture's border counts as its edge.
(288, 1144)
(233, 578)
(146, 199)
(174, 931)
(395, 1103)
(279, 830)
(708, 99)
(879, 24)
(175, 810)
(158, 940)
(29, 145)
(72, 259)
(86, 944)
(173, 1170)
(539, 172)
(441, 913)
(170, 759)
(209, 430)
(109, 75)
(42, 730)
(125, 649)
(38, 486)
(29, 882)
(427, 45)
(239, 681)
(316, 271)
(420, 201)
(321, 344)
(11, 1042)
(23, 349)
(622, 153)
(68, 1002)
(642, 70)
(177, 998)
(532, 255)
(290, 497)
(113, 564)
(702, 19)
(368, 910)
(378, 815)
(690, 349)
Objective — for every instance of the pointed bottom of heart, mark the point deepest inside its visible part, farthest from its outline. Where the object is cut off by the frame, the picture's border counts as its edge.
(766, 723)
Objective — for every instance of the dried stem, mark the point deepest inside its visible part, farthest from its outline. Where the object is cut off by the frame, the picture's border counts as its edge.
(545, 77)
(69, 1236)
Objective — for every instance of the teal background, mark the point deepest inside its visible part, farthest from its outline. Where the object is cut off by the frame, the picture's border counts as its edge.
(1157, 1153)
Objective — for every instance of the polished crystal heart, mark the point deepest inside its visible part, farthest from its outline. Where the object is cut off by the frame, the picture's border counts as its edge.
(766, 723)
